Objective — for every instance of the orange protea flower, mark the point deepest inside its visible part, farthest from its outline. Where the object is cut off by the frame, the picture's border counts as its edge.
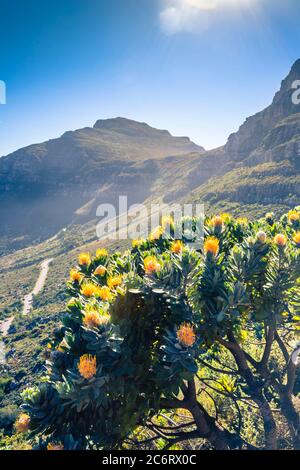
(92, 319)
(104, 293)
(114, 282)
(100, 271)
(87, 366)
(22, 423)
(293, 216)
(151, 265)
(89, 289)
(177, 247)
(101, 253)
(186, 335)
(55, 446)
(296, 238)
(156, 233)
(261, 237)
(84, 259)
(75, 275)
(280, 239)
(211, 245)
(217, 221)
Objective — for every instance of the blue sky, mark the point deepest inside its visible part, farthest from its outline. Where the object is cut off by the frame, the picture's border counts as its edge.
(195, 67)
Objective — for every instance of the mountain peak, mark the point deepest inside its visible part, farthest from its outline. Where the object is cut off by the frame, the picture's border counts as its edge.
(127, 126)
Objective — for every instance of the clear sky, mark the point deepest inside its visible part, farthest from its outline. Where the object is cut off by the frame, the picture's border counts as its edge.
(194, 67)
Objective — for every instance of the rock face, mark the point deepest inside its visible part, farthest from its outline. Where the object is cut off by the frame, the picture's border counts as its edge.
(47, 186)
(252, 133)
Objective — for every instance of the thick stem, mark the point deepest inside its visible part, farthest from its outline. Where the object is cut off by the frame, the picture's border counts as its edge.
(255, 391)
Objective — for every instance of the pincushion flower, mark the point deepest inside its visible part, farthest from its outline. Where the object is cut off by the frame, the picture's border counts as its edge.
(137, 243)
(211, 245)
(186, 335)
(269, 217)
(55, 446)
(280, 239)
(75, 275)
(104, 293)
(101, 253)
(89, 289)
(293, 216)
(296, 238)
(156, 233)
(93, 318)
(151, 264)
(242, 221)
(100, 271)
(177, 247)
(261, 237)
(226, 217)
(84, 259)
(114, 282)
(87, 366)
(167, 221)
(22, 423)
(217, 221)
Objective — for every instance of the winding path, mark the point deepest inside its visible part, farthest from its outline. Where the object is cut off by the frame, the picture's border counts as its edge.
(38, 286)
(5, 324)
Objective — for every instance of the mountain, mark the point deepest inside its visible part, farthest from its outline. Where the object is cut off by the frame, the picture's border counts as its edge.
(47, 186)
(259, 167)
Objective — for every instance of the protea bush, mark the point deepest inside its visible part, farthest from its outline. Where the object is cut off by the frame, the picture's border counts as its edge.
(165, 345)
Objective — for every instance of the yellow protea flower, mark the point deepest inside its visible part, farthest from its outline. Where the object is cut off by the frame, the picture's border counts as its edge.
(114, 281)
(280, 239)
(84, 259)
(87, 366)
(296, 238)
(177, 247)
(269, 216)
(101, 253)
(22, 423)
(151, 264)
(93, 318)
(186, 335)
(89, 289)
(100, 271)
(226, 217)
(75, 275)
(62, 345)
(156, 233)
(293, 216)
(211, 245)
(137, 243)
(242, 221)
(261, 237)
(104, 293)
(217, 221)
(55, 446)
(167, 221)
